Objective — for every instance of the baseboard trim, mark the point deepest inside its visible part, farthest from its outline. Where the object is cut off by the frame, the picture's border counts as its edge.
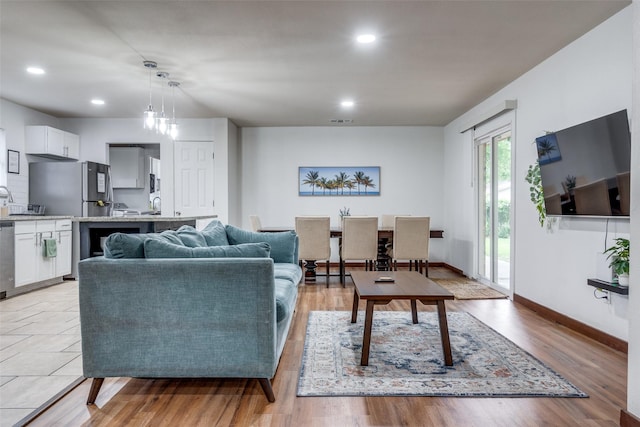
(591, 332)
(627, 419)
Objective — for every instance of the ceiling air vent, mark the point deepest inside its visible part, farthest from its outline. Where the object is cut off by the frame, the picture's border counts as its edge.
(342, 121)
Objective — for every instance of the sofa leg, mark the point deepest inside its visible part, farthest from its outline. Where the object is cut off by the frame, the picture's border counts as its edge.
(266, 387)
(95, 388)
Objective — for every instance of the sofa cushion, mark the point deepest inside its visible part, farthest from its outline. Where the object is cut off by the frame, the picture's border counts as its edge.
(285, 298)
(215, 234)
(155, 248)
(283, 244)
(125, 245)
(191, 237)
(291, 272)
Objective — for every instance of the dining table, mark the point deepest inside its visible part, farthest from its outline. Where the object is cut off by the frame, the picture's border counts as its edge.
(385, 234)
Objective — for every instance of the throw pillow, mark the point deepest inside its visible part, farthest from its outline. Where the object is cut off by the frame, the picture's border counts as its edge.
(154, 248)
(125, 245)
(215, 234)
(191, 237)
(283, 244)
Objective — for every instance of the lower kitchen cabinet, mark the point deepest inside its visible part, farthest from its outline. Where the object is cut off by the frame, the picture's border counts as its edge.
(31, 264)
(65, 242)
(25, 253)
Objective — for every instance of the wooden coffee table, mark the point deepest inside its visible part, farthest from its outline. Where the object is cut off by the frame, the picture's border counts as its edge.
(409, 285)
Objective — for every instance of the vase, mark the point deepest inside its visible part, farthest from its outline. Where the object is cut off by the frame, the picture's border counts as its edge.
(623, 280)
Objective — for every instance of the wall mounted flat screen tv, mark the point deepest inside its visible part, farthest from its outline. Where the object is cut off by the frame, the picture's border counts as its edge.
(585, 168)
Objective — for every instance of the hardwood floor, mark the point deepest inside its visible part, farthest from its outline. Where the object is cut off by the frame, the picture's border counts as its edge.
(591, 366)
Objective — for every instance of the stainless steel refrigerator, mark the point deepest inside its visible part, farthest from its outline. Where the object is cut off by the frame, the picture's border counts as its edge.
(77, 189)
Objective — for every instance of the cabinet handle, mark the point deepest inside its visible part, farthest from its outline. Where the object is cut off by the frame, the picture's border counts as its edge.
(59, 237)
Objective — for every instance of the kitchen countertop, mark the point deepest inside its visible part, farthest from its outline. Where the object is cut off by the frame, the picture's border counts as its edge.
(34, 217)
(140, 218)
(136, 218)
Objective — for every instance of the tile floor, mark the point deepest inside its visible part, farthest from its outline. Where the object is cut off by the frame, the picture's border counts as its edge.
(40, 352)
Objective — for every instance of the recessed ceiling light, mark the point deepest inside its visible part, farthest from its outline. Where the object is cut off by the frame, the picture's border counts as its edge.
(366, 38)
(35, 70)
(97, 102)
(347, 103)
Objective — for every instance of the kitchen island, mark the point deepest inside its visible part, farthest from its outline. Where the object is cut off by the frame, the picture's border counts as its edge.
(91, 232)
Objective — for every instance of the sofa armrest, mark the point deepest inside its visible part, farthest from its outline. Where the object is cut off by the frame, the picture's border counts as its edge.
(178, 317)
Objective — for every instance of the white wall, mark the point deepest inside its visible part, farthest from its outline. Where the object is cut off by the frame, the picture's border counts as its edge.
(411, 170)
(587, 79)
(13, 119)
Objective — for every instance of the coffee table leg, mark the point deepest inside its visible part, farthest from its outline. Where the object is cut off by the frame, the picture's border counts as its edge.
(414, 311)
(366, 341)
(444, 333)
(354, 310)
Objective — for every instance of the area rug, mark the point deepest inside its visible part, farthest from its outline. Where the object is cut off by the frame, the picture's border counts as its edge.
(469, 289)
(407, 359)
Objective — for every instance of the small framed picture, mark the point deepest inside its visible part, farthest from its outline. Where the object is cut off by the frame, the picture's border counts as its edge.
(13, 161)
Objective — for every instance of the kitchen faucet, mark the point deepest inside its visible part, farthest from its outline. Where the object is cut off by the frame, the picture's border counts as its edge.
(2, 187)
(153, 203)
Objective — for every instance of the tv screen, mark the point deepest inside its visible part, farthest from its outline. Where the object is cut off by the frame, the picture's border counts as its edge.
(585, 168)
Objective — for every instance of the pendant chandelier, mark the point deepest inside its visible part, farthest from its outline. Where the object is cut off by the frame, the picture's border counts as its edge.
(149, 114)
(160, 122)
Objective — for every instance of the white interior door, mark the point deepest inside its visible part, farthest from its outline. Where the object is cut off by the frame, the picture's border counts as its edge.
(193, 178)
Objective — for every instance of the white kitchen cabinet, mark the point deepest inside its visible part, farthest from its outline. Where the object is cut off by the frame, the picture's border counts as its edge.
(30, 263)
(71, 145)
(64, 238)
(25, 249)
(127, 167)
(46, 267)
(50, 142)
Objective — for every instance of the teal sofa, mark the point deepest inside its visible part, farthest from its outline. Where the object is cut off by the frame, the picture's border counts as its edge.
(213, 303)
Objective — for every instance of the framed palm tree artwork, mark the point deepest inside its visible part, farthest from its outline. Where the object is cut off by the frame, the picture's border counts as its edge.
(338, 181)
(548, 150)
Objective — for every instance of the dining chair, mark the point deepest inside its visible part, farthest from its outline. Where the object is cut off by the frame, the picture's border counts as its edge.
(411, 241)
(388, 221)
(593, 198)
(314, 235)
(359, 242)
(255, 222)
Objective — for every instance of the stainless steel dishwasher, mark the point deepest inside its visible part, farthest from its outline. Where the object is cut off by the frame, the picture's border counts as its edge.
(7, 257)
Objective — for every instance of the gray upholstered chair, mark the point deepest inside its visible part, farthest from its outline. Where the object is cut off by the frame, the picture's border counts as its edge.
(255, 222)
(359, 241)
(315, 242)
(411, 241)
(593, 198)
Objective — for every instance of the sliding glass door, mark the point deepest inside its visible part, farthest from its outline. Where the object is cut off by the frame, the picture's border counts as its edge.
(494, 207)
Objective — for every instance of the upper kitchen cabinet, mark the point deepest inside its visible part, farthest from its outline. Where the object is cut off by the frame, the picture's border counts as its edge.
(127, 167)
(53, 143)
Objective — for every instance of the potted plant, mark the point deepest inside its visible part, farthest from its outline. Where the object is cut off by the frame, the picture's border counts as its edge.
(618, 254)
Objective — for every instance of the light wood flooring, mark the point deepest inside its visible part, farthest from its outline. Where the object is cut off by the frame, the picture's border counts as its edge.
(591, 366)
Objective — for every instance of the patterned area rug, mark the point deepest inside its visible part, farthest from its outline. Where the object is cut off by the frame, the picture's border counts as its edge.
(407, 359)
(469, 289)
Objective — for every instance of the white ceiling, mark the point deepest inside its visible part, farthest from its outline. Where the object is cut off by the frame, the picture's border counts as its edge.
(282, 63)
